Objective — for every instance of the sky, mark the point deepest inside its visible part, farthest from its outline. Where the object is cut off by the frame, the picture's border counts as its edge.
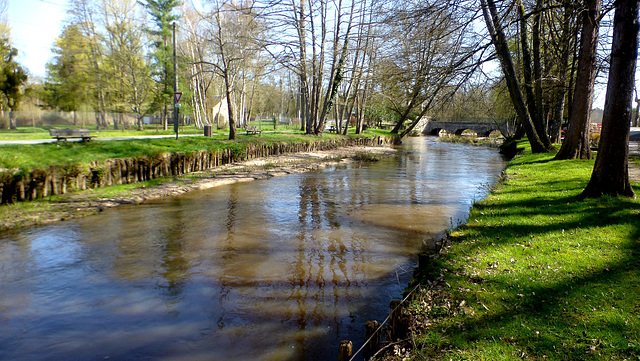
(35, 24)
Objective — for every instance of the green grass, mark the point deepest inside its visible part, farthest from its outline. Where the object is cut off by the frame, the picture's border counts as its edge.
(28, 157)
(536, 274)
(42, 132)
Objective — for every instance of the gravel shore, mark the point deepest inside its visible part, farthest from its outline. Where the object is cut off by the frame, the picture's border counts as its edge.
(85, 203)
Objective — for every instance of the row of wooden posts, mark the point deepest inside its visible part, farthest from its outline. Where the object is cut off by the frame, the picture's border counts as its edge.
(18, 185)
(377, 336)
(395, 330)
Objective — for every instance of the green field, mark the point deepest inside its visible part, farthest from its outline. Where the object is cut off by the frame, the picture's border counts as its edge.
(42, 132)
(536, 274)
(28, 157)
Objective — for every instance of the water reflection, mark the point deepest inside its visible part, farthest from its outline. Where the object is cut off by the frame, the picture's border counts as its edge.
(280, 269)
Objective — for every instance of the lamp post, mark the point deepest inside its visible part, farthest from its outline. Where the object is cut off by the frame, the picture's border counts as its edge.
(176, 94)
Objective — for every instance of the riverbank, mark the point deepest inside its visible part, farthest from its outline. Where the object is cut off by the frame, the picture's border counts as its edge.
(534, 274)
(92, 201)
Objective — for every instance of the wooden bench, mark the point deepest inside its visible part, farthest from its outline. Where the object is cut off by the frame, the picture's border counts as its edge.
(333, 129)
(253, 130)
(64, 134)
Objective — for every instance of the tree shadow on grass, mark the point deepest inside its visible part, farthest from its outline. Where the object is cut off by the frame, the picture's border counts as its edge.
(584, 311)
(541, 216)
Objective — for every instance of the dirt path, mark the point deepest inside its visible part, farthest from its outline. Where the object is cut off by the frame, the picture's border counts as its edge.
(634, 172)
(84, 203)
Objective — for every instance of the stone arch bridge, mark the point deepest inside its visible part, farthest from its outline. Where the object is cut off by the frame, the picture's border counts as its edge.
(482, 127)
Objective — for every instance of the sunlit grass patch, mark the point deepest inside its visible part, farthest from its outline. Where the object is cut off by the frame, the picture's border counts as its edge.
(537, 274)
(28, 157)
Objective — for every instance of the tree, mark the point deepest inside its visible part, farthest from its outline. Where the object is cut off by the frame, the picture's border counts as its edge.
(130, 88)
(232, 35)
(83, 13)
(532, 69)
(315, 39)
(68, 75)
(494, 26)
(12, 78)
(12, 75)
(426, 59)
(611, 173)
(201, 80)
(576, 144)
(163, 16)
(564, 42)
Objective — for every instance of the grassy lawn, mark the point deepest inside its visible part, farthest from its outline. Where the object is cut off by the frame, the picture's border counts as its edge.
(27, 157)
(536, 274)
(42, 132)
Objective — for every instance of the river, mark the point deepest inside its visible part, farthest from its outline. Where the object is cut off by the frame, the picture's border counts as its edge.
(275, 269)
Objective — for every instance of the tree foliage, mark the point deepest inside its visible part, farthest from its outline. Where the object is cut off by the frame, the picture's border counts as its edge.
(12, 78)
(69, 72)
(163, 15)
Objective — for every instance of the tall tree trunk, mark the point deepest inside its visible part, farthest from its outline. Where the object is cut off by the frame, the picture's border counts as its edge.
(533, 71)
(539, 117)
(502, 50)
(561, 92)
(300, 19)
(576, 143)
(12, 123)
(228, 87)
(611, 171)
(636, 115)
(527, 64)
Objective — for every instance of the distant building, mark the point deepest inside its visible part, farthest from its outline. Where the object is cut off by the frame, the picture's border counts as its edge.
(219, 111)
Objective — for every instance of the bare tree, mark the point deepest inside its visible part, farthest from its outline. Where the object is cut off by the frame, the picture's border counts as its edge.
(316, 39)
(357, 88)
(563, 31)
(576, 144)
(85, 14)
(232, 32)
(129, 88)
(611, 171)
(201, 79)
(498, 38)
(427, 57)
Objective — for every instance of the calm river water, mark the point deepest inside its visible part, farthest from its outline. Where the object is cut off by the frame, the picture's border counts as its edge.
(277, 269)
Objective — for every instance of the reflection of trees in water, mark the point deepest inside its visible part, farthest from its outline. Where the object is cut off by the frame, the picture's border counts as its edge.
(232, 203)
(229, 253)
(325, 256)
(174, 262)
(146, 244)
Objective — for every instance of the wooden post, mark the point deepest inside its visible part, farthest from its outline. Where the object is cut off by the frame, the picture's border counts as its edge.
(345, 351)
(373, 333)
(395, 309)
(398, 322)
(424, 258)
(423, 261)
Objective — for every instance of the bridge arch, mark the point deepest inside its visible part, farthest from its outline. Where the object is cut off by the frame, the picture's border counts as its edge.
(482, 127)
(459, 131)
(487, 133)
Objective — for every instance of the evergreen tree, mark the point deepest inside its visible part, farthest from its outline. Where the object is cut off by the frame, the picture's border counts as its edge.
(163, 16)
(12, 78)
